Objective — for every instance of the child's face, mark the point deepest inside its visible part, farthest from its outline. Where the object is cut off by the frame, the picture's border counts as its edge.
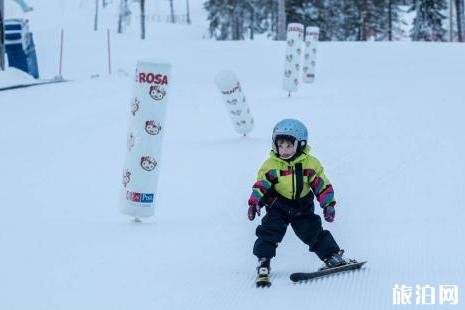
(286, 148)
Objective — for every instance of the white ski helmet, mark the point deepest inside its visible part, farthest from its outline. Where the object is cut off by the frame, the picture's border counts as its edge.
(293, 130)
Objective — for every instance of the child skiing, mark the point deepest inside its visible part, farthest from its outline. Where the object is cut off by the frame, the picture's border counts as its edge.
(286, 185)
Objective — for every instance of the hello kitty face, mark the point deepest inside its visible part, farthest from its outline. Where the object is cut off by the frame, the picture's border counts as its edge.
(287, 73)
(131, 141)
(307, 43)
(148, 163)
(126, 177)
(298, 51)
(232, 101)
(156, 92)
(296, 82)
(314, 50)
(297, 67)
(135, 106)
(236, 112)
(289, 57)
(313, 63)
(307, 56)
(152, 128)
(290, 42)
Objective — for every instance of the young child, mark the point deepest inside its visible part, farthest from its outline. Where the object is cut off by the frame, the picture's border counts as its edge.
(286, 185)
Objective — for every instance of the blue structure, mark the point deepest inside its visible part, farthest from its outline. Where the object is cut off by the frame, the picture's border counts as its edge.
(19, 46)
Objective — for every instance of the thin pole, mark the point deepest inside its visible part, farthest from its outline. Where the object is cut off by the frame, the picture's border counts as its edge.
(390, 20)
(142, 19)
(188, 14)
(96, 16)
(451, 28)
(281, 31)
(61, 52)
(109, 51)
(171, 12)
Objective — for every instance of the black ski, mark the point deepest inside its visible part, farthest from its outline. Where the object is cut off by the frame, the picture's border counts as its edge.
(305, 276)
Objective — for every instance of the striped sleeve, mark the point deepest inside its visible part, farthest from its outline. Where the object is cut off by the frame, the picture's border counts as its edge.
(322, 187)
(263, 186)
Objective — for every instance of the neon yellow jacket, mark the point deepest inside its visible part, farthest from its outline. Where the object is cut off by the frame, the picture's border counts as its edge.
(280, 175)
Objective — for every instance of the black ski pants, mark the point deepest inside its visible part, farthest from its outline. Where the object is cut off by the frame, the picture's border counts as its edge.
(305, 223)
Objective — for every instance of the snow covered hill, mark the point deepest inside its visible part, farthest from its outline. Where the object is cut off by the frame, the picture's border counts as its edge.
(385, 120)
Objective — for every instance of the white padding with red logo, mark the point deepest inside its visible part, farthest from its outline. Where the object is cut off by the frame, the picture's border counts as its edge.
(235, 102)
(295, 35)
(311, 44)
(144, 138)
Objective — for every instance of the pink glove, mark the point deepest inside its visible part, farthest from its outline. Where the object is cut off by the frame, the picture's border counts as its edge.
(330, 213)
(252, 211)
(254, 208)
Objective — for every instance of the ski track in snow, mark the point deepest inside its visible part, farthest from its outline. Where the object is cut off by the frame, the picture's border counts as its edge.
(384, 119)
(393, 205)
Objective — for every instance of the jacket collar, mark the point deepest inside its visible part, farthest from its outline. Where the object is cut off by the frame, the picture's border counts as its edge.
(299, 158)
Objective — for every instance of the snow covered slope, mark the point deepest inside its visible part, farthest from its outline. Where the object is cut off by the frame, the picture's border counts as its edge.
(385, 120)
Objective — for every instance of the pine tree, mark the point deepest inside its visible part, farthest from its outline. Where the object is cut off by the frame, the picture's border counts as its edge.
(337, 19)
(387, 21)
(234, 19)
(331, 18)
(427, 24)
(219, 13)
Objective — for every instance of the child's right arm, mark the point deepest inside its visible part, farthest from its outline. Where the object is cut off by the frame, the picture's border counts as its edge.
(262, 188)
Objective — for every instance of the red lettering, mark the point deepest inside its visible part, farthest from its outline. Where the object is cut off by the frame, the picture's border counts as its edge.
(296, 29)
(233, 90)
(151, 78)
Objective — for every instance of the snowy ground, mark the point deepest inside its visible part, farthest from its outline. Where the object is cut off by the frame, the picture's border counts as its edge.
(12, 76)
(385, 120)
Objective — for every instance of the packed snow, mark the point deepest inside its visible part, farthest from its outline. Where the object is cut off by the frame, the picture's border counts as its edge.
(12, 77)
(385, 119)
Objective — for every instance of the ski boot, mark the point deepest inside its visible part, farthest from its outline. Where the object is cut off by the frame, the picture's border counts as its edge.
(263, 273)
(335, 260)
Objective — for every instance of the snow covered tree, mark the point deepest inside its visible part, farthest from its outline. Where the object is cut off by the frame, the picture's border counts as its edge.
(372, 19)
(124, 15)
(233, 19)
(337, 19)
(427, 24)
(386, 19)
(308, 13)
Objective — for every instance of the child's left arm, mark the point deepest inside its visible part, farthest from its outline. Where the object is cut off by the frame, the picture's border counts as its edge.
(322, 188)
